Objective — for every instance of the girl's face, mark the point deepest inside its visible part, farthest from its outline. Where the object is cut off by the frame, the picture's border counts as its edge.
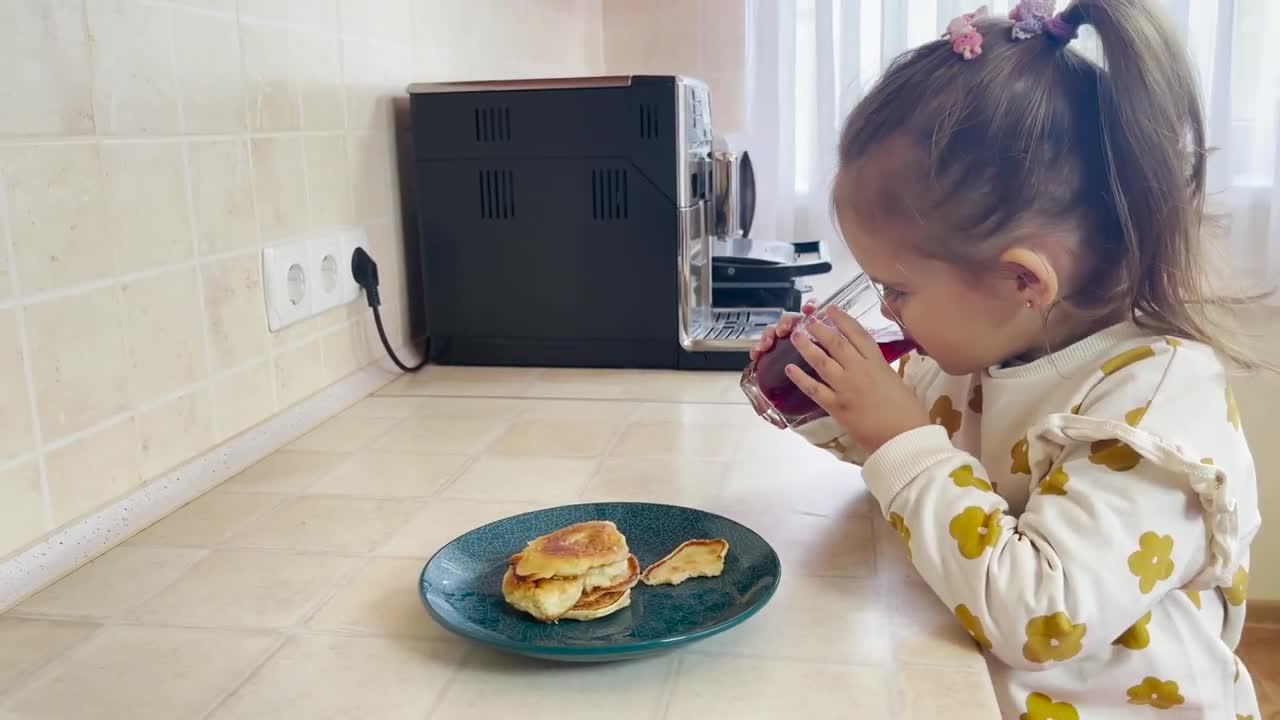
(965, 320)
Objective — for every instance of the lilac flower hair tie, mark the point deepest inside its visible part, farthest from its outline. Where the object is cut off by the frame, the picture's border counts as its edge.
(1036, 17)
(965, 39)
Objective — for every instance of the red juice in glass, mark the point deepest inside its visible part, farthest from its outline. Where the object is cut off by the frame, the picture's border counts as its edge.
(780, 401)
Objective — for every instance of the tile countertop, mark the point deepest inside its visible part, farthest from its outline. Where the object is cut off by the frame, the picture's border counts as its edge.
(289, 591)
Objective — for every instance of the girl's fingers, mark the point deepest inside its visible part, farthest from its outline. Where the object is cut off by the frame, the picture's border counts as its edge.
(822, 363)
(835, 344)
(810, 307)
(819, 393)
(857, 335)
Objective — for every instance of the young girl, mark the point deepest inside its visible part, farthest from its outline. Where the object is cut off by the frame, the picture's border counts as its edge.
(1063, 458)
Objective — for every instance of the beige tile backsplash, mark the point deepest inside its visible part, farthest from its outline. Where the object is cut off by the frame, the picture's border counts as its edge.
(148, 150)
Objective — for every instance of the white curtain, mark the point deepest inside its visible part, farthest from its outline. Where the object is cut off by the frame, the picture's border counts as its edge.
(810, 60)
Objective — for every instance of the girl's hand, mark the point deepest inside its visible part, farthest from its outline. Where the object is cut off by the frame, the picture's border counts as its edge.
(782, 329)
(858, 388)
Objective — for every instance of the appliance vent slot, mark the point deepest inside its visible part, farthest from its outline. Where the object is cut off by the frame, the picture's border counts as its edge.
(609, 195)
(649, 121)
(497, 195)
(493, 124)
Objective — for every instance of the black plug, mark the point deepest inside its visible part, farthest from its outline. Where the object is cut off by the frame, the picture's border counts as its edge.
(365, 272)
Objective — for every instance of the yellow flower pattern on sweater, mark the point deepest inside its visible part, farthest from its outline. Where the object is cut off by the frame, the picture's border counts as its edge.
(1114, 455)
(1021, 458)
(1127, 358)
(1137, 637)
(975, 530)
(900, 526)
(973, 625)
(1042, 707)
(1053, 638)
(963, 477)
(1157, 693)
(1152, 561)
(1055, 483)
(944, 413)
(1235, 594)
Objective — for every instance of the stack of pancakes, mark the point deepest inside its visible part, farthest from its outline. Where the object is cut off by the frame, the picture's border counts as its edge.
(580, 572)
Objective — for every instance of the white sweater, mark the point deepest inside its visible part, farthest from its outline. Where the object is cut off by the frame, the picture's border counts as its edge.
(1088, 519)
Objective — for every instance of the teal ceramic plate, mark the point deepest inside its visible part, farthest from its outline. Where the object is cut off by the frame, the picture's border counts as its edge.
(461, 584)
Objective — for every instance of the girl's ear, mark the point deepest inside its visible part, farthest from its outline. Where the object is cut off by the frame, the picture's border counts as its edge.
(1035, 279)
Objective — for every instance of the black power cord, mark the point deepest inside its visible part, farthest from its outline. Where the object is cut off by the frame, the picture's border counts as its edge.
(365, 272)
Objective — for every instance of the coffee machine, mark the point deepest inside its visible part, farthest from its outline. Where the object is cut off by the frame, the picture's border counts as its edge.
(591, 222)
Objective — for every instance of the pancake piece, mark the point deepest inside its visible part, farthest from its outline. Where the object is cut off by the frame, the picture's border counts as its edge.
(573, 551)
(624, 577)
(606, 604)
(693, 559)
(547, 600)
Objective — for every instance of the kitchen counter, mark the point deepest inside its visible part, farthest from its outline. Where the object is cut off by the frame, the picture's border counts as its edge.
(290, 590)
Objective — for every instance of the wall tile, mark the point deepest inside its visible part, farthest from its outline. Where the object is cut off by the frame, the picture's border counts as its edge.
(22, 517)
(7, 270)
(93, 470)
(235, 311)
(317, 15)
(135, 90)
(222, 195)
(346, 350)
(329, 181)
(317, 68)
(147, 204)
(17, 435)
(165, 335)
(80, 379)
(223, 7)
(206, 52)
(60, 239)
(389, 21)
(267, 12)
(279, 184)
(270, 88)
(46, 76)
(175, 432)
(373, 175)
(299, 373)
(243, 399)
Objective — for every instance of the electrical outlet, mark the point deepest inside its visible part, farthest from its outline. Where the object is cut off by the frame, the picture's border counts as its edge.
(308, 275)
(329, 271)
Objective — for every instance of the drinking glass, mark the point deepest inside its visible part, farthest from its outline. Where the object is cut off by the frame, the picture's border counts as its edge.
(765, 382)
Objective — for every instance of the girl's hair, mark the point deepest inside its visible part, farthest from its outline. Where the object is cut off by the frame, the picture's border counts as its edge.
(1032, 134)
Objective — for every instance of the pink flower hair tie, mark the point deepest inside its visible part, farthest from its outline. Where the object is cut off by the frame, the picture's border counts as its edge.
(965, 39)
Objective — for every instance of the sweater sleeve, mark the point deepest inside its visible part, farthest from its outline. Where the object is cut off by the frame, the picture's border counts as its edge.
(1129, 506)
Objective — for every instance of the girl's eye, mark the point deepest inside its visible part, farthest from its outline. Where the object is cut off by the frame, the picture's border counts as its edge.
(891, 293)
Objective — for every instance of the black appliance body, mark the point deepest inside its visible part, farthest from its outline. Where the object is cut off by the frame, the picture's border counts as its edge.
(585, 222)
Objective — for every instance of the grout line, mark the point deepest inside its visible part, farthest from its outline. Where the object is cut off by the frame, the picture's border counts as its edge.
(115, 280)
(248, 675)
(205, 345)
(669, 686)
(28, 374)
(446, 687)
(158, 139)
(208, 382)
(24, 346)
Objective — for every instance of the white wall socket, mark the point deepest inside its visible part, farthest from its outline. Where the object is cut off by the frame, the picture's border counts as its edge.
(310, 274)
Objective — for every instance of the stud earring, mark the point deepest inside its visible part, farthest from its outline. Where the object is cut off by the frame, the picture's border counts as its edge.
(1030, 305)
